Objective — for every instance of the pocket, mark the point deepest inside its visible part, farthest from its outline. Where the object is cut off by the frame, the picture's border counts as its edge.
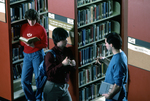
(48, 87)
(67, 86)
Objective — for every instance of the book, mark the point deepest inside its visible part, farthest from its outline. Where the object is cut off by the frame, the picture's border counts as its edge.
(106, 87)
(29, 40)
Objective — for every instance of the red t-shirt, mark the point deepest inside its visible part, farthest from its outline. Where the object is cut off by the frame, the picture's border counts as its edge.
(37, 30)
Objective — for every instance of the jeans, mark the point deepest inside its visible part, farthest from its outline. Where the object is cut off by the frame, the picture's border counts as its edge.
(56, 92)
(30, 64)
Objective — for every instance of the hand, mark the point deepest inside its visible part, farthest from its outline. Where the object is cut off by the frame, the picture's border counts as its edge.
(31, 45)
(99, 60)
(106, 96)
(26, 43)
(73, 63)
(66, 61)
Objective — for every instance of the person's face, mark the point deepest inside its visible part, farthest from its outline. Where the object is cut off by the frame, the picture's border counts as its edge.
(31, 22)
(62, 43)
(108, 46)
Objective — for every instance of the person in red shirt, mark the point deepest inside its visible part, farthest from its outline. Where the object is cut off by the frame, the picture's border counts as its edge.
(33, 53)
(56, 87)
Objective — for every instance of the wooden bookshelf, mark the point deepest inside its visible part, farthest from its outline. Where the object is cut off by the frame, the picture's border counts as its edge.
(10, 88)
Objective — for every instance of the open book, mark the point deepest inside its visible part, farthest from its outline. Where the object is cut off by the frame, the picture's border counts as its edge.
(106, 87)
(29, 40)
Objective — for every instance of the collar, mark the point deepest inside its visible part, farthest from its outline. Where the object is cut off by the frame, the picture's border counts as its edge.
(59, 49)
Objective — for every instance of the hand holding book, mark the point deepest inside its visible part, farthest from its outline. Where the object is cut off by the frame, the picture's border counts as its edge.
(31, 44)
(99, 60)
(102, 60)
(29, 40)
(110, 91)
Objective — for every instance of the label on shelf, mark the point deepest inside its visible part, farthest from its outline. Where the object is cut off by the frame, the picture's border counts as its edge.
(50, 15)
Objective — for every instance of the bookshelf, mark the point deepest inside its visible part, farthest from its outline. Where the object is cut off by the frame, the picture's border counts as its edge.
(95, 19)
(17, 13)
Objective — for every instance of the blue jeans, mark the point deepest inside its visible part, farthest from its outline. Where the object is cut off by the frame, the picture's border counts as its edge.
(30, 64)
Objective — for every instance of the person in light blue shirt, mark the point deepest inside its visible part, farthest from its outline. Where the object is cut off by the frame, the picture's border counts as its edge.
(117, 71)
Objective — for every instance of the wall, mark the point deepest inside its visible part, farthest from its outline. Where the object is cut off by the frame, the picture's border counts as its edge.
(139, 28)
(5, 58)
(62, 7)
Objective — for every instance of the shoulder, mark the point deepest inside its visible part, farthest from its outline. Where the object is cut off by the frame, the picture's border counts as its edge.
(24, 25)
(49, 53)
(40, 27)
(49, 56)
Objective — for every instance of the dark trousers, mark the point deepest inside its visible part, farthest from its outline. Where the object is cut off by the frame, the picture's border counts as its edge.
(56, 92)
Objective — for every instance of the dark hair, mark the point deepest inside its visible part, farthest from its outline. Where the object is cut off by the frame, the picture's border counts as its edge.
(59, 34)
(114, 39)
(32, 14)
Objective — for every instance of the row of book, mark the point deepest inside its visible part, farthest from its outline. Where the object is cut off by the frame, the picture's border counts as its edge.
(90, 92)
(18, 12)
(44, 22)
(12, 1)
(95, 12)
(15, 31)
(17, 53)
(41, 5)
(88, 54)
(82, 2)
(94, 33)
(17, 70)
(91, 73)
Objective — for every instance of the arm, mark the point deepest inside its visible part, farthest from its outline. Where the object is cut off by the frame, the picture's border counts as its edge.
(51, 66)
(69, 62)
(106, 61)
(113, 92)
(118, 79)
(22, 43)
(43, 40)
(102, 60)
(72, 60)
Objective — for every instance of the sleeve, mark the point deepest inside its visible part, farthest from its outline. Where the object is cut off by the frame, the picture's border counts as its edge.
(51, 67)
(44, 41)
(119, 74)
(71, 57)
(21, 32)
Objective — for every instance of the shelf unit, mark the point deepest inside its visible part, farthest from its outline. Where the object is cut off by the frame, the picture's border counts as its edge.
(90, 75)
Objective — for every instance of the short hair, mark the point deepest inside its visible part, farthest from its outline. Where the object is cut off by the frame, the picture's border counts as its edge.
(59, 34)
(114, 39)
(32, 14)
